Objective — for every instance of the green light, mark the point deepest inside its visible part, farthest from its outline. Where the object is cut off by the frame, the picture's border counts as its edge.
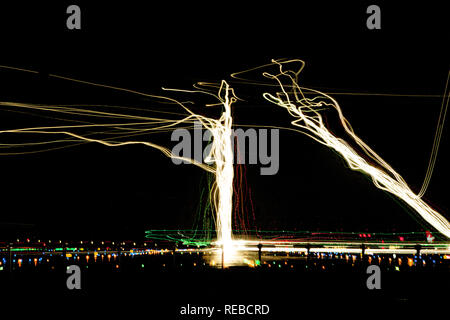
(142, 265)
(257, 262)
(23, 249)
(67, 249)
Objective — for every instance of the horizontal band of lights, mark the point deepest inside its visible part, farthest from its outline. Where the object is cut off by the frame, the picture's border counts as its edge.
(196, 236)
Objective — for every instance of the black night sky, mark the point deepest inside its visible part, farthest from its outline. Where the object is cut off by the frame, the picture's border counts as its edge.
(92, 191)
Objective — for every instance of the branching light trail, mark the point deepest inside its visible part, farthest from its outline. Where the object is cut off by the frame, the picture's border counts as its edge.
(306, 111)
(219, 161)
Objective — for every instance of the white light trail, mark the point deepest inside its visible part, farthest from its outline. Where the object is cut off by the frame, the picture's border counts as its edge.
(219, 161)
(308, 118)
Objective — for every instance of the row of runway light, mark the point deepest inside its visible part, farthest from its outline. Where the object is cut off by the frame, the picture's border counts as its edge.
(269, 261)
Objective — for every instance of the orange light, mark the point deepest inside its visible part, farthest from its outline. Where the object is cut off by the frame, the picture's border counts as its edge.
(410, 262)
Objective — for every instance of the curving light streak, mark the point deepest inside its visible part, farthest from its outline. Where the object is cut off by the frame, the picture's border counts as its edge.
(437, 139)
(308, 118)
